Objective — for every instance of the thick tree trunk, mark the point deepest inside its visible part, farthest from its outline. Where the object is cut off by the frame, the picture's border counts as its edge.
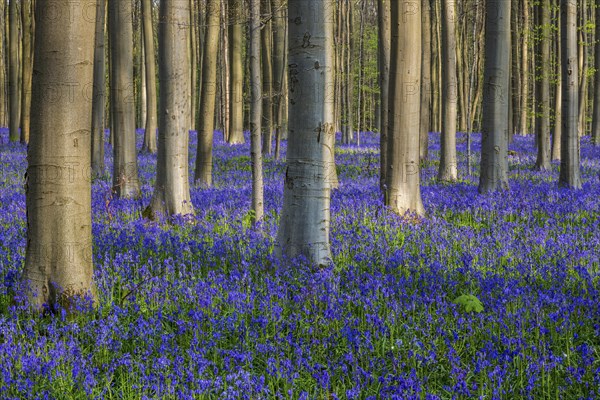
(494, 147)
(236, 106)
(203, 170)
(384, 43)
(256, 113)
(58, 261)
(26, 67)
(267, 75)
(569, 162)
(150, 73)
(172, 190)
(523, 128)
(596, 112)
(305, 218)
(99, 91)
(125, 174)
(542, 125)
(448, 170)
(425, 124)
(14, 103)
(404, 191)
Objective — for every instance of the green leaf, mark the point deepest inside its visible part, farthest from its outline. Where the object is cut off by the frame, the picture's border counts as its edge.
(469, 303)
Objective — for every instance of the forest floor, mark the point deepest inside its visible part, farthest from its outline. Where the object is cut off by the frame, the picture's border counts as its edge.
(491, 297)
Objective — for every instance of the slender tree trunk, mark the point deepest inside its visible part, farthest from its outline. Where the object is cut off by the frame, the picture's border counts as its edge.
(125, 174)
(494, 147)
(448, 170)
(523, 128)
(360, 126)
(256, 113)
(569, 160)
(203, 170)
(150, 144)
(226, 72)
(172, 190)
(236, 107)
(349, 134)
(26, 67)
(58, 261)
(279, 67)
(384, 43)
(267, 71)
(404, 192)
(596, 112)
(14, 104)
(3, 78)
(193, 39)
(304, 226)
(99, 91)
(583, 76)
(543, 87)
(425, 125)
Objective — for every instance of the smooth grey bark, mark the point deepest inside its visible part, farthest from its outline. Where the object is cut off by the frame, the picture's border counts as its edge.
(225, 73)
(448, 170)
(256, 113)
(542, 125)
(267, 75)
(384, 42)
(305, 217)
(99, 91)
(172, 190)
(278, 8)
(556, 137)
(203, 170)
(14, 101)
(525, 94)
(236, 105)
(150, 144)
(26, 67)
(58, 261)
(125, 173)
(3, 116)
(493, 173)
(596, 112)
(569, 161)
(425, 124)
(404, 190)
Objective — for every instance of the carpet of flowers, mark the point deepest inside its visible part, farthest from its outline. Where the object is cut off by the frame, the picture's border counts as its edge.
(199, 308)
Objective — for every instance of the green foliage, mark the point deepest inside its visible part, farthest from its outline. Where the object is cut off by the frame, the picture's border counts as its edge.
(469, 303)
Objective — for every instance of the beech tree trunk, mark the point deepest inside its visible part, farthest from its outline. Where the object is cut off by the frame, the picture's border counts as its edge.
(305, 217)
(267, 75)
(596, 112)
(3, 78)
(256, 113)
(404, 190)
(150, 144)
(172, 190)
(236, 106)
(278, 8)
(58, 261)
(99, 91)
(542, 125)
(493, 173)
(569, 160)
(425, 124)
(384, 42)
(448, 170)
(26, 67)
(525, 93)
(125, 174)
(14, 101)
(203, 170)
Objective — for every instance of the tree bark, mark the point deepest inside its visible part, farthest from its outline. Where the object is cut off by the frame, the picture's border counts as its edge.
(236, 106)
(523, 128)
(404, 191)
(384, 42)
(3, 78)
(267, 75)
(305, 218)
(125, 174)
(172, 190)
(556, 137)
(279, 67)
(14, 105)
(542, 125)
(99, 91)
(494, 146)
(256, 113)
(58, 261)
(569, 162)
(596, 112)
(26, 67)
(203, 170)
(448, 170)
(425, 124)
(150, 144)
